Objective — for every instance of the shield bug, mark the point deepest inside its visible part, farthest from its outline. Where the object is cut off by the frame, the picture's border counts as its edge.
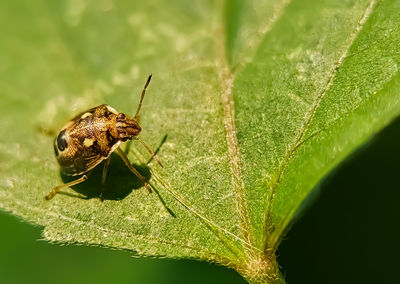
(90, 138)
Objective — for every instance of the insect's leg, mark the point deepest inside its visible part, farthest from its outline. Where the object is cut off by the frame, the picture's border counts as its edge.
(132, 169)
(153, 155)
(105, 168)
(56, 189)
(104, 176)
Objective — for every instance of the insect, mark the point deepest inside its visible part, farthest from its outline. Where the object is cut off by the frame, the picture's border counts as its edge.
(90, 138)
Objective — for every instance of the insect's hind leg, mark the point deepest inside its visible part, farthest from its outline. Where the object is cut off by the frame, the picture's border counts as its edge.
(57, 188)
(132, 169)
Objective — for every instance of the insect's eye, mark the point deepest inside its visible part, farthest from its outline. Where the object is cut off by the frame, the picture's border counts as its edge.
(121, 116)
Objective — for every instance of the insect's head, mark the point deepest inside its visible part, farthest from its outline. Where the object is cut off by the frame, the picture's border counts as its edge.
(127, 127)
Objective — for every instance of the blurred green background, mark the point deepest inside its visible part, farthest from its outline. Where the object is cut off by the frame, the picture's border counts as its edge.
(350, 234)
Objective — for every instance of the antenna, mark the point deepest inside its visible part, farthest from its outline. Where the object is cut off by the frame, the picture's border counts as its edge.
(143, 93)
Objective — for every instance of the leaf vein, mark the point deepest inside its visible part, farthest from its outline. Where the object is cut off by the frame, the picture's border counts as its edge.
(307, 121)
(144, 238)
(226, 79)
(221, 233)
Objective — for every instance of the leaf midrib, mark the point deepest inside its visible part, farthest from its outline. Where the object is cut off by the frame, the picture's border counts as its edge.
(226, 79)
(227, 76)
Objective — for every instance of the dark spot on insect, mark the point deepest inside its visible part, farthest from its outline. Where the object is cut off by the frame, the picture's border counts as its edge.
(107, 113)
(55, 148)
(81, 138)
(95, 145)
(95, 148)
(110, 138)
(121, 116)
(61, 142)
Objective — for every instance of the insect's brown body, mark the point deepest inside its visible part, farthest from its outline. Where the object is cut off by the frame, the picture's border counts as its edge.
(91, 137)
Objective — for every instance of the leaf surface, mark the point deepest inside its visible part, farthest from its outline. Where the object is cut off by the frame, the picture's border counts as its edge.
(255, 101)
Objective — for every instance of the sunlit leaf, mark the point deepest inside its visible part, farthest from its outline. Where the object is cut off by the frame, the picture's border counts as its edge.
(251, 104)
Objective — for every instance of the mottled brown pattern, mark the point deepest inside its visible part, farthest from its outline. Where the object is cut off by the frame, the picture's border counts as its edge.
(103, 129)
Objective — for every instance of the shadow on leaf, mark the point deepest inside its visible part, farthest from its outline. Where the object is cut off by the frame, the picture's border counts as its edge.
(119, 183)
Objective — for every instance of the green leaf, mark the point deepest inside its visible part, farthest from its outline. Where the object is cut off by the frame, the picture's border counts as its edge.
(256, 101)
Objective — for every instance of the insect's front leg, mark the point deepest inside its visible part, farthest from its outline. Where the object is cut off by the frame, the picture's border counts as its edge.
(133, 170)
(57, 188)
(153, 155)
